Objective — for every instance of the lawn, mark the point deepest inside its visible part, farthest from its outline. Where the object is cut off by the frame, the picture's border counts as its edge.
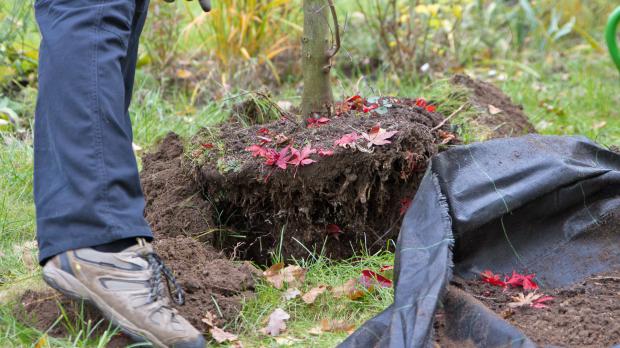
(567, 87)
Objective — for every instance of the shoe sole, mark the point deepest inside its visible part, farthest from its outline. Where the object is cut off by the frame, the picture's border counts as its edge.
(61, 281)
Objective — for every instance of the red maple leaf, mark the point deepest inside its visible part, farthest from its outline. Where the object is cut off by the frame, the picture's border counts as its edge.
(494, 279)
(324, 153)
(279, 159)
(369, 279)
(521, 280)
(347, 140)
(540, 303)
(421, 102)
(316, 122)
(370, 107)
(257, 150)
(378, 136)
(302, 158)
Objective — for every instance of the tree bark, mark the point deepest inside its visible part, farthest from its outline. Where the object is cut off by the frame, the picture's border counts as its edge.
(317, 98)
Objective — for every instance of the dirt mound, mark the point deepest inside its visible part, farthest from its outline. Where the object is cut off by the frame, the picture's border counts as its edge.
(174, 205)
(506, 120)
(211, 283)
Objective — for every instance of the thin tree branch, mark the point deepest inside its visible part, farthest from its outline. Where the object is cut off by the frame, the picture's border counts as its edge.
(449, 117)
(332, 52)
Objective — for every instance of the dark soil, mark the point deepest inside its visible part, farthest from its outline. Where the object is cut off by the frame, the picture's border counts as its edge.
(586, 314)
(510, 122)
(42, 310)
(211, 282)
(174, 205)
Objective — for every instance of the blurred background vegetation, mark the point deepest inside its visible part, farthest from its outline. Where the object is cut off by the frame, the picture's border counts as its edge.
(547, 54)
(196, 68)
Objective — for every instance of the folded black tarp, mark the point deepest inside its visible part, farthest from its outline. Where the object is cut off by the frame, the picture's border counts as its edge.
(530, 203)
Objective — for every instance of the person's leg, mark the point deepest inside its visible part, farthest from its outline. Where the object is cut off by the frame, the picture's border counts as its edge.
(87, 188)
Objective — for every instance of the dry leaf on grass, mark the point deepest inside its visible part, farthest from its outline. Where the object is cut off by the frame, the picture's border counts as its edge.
(292, 293)
(311, 295)
(348, 289)
(277, 323)
(328, 325)
(278, 275)
(221, 336)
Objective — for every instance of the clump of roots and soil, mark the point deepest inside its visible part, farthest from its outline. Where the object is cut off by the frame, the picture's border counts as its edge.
(213, 189)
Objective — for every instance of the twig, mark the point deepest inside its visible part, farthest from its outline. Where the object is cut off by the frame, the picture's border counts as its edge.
(332, 52)
(449, 117)
(617, 279)
(484, 297)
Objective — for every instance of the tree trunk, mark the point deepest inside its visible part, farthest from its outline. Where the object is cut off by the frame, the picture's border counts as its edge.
(317, 96)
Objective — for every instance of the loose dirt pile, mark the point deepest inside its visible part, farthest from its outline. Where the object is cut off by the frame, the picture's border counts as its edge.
(497, 116)
(586, 314)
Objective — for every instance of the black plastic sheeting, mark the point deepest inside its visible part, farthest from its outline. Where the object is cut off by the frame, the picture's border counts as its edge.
(530, 204)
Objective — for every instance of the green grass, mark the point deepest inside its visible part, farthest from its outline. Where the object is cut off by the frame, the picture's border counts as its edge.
(321, 271)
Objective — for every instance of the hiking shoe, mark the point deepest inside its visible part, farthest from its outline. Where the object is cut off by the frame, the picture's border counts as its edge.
(127, 287)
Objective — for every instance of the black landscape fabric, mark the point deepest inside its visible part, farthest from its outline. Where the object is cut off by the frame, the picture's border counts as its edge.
(528, 204)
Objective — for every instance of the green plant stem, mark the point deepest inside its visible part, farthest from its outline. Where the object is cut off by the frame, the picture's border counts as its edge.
(610, 36)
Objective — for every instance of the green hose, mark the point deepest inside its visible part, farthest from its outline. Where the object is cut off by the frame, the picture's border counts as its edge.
(610, 36)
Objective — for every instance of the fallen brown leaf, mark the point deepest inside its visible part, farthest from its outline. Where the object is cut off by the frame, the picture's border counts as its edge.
(292, 293)
(311, 295)
(278, 275)
(277, 323)
(209, 319)
(328, 325)
(348, 289)
(532, 299)
(221, 336)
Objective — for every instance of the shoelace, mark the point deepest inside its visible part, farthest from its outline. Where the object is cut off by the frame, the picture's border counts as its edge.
(158, 267)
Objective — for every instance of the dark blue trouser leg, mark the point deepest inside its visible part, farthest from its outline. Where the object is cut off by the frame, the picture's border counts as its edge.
(86, 184)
